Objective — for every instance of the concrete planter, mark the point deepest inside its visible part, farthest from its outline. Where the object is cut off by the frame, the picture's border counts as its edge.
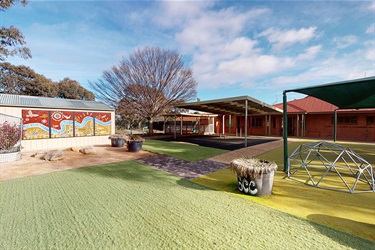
(8, 157)
(255, 177)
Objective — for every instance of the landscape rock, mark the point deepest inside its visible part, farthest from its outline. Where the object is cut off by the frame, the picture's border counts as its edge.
(75, 149)
(54, 155)
(88, 151)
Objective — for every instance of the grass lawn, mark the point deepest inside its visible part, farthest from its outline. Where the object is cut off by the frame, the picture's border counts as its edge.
(128, 205)
(353, 213)
(182, 151)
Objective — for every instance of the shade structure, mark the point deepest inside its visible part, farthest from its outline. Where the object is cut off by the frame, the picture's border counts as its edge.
(353, 94)
(242, 105)
(233, 105)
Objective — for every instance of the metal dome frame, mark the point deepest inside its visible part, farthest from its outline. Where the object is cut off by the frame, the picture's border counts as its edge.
(322, 159)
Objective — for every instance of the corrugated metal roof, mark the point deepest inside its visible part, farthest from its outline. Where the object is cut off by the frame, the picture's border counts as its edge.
(234, 105)
(46, 102)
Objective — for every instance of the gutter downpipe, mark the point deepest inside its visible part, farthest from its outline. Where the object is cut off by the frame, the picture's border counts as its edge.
(285, 133)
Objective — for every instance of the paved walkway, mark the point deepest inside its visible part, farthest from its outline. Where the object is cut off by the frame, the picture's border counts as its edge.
(191, 170)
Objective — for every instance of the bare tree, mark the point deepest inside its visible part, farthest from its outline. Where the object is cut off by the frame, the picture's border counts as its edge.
(150, 81)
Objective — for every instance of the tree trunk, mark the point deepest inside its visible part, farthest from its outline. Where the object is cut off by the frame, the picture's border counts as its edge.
(150, 126)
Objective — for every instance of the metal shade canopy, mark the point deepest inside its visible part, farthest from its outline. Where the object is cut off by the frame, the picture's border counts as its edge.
(232, 106)
(242, 105)
(353, 94)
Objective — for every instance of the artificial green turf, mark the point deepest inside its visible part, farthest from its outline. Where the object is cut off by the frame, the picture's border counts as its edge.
(128, 205)
(182, 151)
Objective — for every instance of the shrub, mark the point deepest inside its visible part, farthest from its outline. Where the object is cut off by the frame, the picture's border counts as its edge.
(10, 135)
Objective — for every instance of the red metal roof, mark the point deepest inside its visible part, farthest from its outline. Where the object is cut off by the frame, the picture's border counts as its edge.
(310, 104)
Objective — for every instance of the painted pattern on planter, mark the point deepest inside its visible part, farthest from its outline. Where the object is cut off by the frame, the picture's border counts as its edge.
(247, 185)
(35, 124)
(83, 123)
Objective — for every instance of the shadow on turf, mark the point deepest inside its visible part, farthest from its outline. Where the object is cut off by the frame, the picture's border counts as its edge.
(315, 219)
(192, 185)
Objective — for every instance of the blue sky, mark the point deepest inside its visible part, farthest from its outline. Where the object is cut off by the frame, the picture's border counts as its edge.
(235, 48)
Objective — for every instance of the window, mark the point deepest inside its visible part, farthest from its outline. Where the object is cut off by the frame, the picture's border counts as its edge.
(370, 120)
(347, 119)
(257, 122)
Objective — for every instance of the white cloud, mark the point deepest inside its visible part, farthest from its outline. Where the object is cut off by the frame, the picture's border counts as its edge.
(371, 29)
(212, 28)
(175, 13)
(369, 52)
(345, 41)
(284, 38)
(310, 53)
(331, 69)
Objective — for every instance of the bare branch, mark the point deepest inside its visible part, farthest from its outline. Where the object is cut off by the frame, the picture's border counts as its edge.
(149, 82)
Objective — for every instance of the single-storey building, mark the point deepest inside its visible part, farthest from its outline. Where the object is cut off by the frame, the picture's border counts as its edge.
(59, 123)
(308, 117)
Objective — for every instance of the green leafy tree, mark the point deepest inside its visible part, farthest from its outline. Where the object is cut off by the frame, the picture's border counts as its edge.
(147, 83)
(71, 89)
(11, 39)
(22, 80)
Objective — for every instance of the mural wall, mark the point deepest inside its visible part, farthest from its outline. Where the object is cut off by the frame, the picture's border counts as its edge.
(84, 123)
(102, 123)
(39, 124)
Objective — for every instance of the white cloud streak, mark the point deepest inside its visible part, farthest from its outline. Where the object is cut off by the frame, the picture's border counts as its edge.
(285, 38)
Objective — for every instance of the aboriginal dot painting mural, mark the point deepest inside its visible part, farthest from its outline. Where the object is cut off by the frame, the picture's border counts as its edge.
(102, 123)
(61, 124)
(84, 123)
(35, 124)
(39, 124)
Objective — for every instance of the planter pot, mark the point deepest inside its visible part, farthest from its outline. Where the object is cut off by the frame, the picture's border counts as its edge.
(117, 142)
(134, 146)
(255, 177)
(260, 186)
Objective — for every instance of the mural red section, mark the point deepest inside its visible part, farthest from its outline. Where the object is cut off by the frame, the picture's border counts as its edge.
(35, 124)
(61, 124)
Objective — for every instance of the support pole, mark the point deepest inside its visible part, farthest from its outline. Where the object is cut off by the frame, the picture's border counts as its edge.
(175, 125)
(181, 124)
(223, 126)
(298, 125)
(285, 133)
(164, 125)
(246, 123)
(335, 126)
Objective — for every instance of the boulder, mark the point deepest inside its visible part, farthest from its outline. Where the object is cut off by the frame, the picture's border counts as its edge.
(88, 151)
(74, 149)
(54, 155)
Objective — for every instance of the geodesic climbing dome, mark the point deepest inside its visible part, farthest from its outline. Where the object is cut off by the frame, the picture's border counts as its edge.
(331, 166)
(10, 138)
